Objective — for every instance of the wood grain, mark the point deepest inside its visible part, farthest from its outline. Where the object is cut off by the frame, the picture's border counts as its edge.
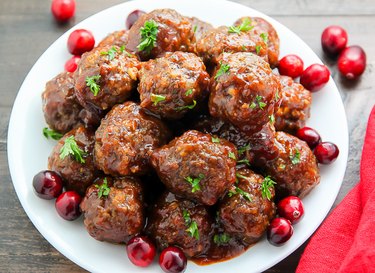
(27, 29)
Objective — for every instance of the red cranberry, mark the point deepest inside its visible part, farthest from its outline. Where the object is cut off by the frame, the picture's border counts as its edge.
(63, 10)
(291, 65)
(279, 231)
(326, 152)
(67, 205)
(80, 41)
(352, 62)
(291, 208)
(47, 184)
(172, 260)
(72, 64)
(141, 251)
(310, 136)
(133, 17)
(315, 77)
(334, 39)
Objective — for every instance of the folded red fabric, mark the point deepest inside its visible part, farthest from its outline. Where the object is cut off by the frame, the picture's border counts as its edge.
(345, 242)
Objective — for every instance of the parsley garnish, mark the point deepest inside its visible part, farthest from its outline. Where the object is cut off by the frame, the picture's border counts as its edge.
(258, 48)
(111, 53)
(295, 158)
(221, 238)
(187, 106)
(103, 189)
(241, 176)
(243, 149)
(215, 139)
(49, 133)
(264, 36)
(195, 28)
(244, 161)
(224, 68)
(272, 119)
(232, 155)
(92, 82)
(259, 101)
(240, 191)
(195, 182)
(71, 147)
(266, 185)
(157, 98)
(192, 225)
(245, 26)
(148, 32)
(277, 97)
(189, 92)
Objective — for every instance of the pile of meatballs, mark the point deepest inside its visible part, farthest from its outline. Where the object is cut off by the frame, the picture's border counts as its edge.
(190, 130)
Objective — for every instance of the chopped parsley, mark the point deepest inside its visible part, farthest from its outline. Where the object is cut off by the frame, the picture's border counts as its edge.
(243, 149)
(192, 225)
(258, 48)
(245, 26)
(187, 106)
(224, 68)
(277, 96)
(221, 238)
(92, 82)
(189, 92)
(195, 182)
(103, 189)
(264, 36)
(49, 133)
(195, 28)
(241, 176)
(295, 158)
(266, 185)
(241, 192)
(232, 155)
(259, 101)
(244, 161)
(70, 147)
(157, 98)
(148, 33)
(272, 119)
(215, 139)
(111, 53)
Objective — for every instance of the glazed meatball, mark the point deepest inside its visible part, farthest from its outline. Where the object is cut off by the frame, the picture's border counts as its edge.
(126, 139)
(268, 33)
(295, 105)
(243, 91)
(118, 38)
(77, 172)
(171, 85)
(173, 32)
(60, 106)
(200, 27)
(113, 209)
(196, 166)
(181, 223)
(220, 40)
(295, 170)
(105, 76)
(247, 209)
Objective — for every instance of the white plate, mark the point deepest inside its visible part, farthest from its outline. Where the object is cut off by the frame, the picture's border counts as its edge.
(28, 150)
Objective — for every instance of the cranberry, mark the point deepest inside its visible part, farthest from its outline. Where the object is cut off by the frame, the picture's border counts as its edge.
(352, 62)
(172, 260)
(141, 251)
(291, 65)
(310, 136)
(47, 184)
(326, 152)
(67, 205)
(133, 17)
(279, 231)
(315, 77)
(291, 208)
(63, 10)
(72, 64)
(80, 41)
(334, 39)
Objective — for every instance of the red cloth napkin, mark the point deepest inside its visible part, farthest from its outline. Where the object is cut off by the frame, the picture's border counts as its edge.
(345, 242)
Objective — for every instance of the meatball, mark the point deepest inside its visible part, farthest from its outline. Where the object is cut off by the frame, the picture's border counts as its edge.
(200, 27)
(221, 39)
(196, 166)
(172, 31)
(268, 33)
(117, 38)
(126, 139)
(113, 209)
(105, 76)
(295, 105)
(243, 91)
(248, 208)
(76, 168)
(171, 85)
(295, 170)
(60, 106)
(181, 223)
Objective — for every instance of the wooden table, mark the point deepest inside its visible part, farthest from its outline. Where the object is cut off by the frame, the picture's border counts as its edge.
(27, 29)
